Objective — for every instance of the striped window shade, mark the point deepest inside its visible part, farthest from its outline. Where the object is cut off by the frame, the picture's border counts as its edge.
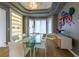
(16, 26)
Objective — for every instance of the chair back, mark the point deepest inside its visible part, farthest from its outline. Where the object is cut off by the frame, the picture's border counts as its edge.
(16, 49)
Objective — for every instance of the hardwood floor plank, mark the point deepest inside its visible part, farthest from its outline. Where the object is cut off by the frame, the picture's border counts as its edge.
(52, 51)
(4, 52)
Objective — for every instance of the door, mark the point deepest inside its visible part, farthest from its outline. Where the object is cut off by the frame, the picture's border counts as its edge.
(2, 28)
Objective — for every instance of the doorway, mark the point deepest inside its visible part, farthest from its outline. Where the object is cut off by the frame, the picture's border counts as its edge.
(2, 28)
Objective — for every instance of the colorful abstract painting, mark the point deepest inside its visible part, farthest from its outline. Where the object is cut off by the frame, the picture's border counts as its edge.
(66, 17)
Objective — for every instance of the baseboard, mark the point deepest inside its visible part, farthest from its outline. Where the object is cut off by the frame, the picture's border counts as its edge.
(73, 53)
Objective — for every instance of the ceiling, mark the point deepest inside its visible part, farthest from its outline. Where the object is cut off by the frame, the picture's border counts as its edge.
(37, 5)
(44, 8)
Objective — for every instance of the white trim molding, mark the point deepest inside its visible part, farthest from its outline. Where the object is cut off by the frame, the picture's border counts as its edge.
(73, 53)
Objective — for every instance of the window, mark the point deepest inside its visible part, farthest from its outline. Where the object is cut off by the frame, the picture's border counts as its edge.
(43, 26)
(16, 26)
(37, 26)
(31, 26)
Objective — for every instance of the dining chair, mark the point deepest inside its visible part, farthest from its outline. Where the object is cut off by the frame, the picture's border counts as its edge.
(41, 45)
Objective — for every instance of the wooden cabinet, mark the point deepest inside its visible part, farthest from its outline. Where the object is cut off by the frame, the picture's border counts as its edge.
(63, 42)
(59, 42)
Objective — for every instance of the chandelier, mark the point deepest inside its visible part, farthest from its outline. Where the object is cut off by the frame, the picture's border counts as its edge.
(33, 5)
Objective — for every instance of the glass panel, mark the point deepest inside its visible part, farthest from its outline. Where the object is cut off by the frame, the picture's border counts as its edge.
(43, 26)
(31, 26)
(49, 25)
(37, 26)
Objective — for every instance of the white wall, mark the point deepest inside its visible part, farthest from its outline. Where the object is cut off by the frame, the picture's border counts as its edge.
(73, 30)
(2, 28)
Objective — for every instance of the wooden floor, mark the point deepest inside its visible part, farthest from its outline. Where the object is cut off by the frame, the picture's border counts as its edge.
(52, 51)
(4, 52)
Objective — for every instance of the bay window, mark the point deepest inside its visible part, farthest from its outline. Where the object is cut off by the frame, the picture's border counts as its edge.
(38, 26)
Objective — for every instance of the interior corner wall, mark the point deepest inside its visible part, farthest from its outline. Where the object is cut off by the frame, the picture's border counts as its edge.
(26, 25)
(55, 23)
(73, 30)
(7, 21)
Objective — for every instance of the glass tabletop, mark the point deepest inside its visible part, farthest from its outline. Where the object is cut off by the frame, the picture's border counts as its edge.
(33, 39)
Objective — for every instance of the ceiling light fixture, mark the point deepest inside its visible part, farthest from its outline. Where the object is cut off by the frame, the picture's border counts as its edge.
(33, 5)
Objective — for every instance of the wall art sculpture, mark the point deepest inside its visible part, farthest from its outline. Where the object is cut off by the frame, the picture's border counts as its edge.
(66, 17)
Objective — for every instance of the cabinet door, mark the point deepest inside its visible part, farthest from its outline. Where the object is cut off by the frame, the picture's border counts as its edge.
(59, 42)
